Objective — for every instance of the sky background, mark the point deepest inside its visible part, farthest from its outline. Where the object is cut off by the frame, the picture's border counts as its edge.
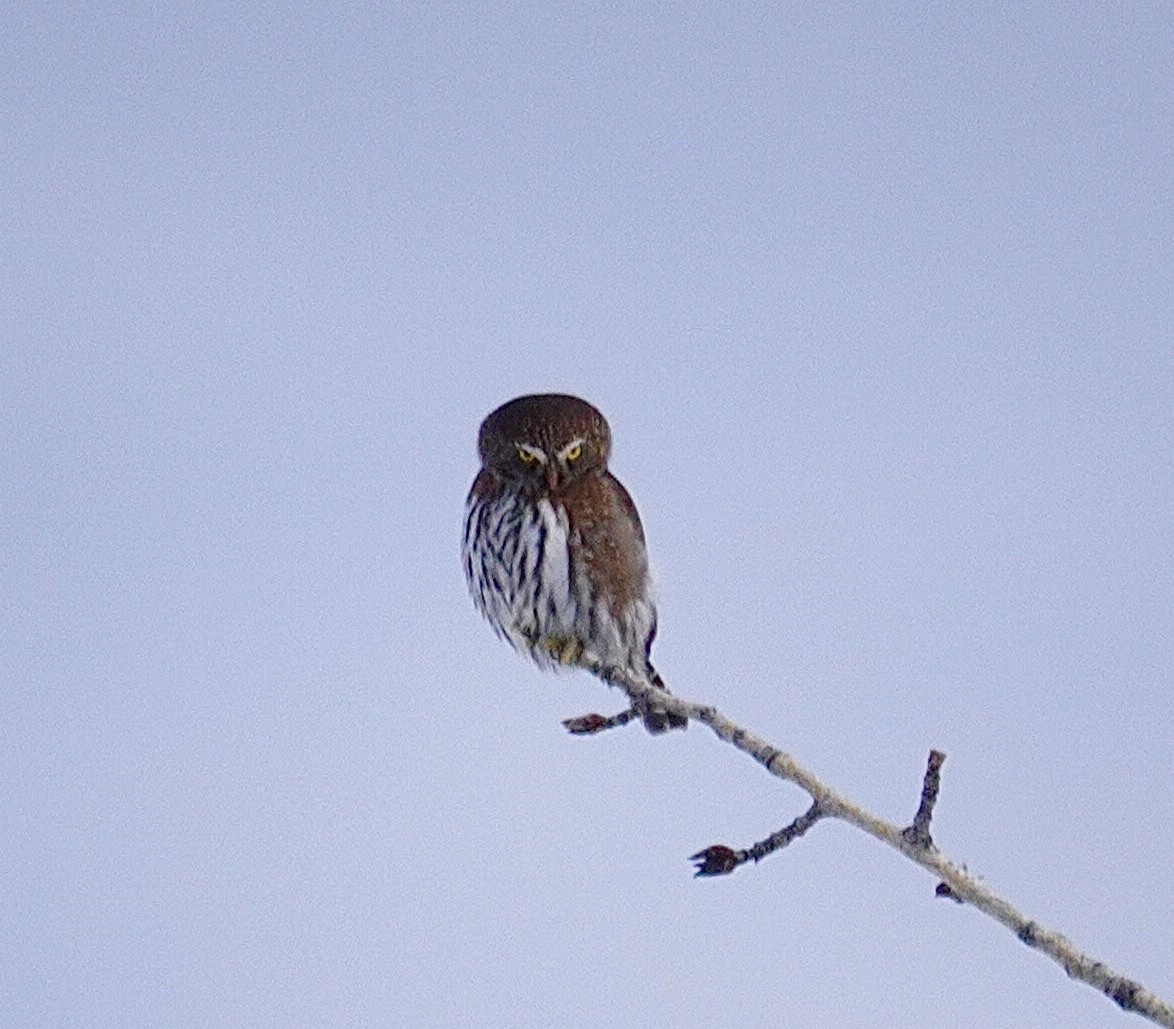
(879, 301)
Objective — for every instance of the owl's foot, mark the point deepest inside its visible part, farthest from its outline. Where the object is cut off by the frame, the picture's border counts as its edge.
(589, 725)
(657, 720)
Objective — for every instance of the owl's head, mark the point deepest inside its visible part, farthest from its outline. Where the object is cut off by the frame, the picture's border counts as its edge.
(543, 441)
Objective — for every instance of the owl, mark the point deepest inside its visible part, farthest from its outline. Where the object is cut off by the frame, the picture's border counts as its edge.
(554, 550)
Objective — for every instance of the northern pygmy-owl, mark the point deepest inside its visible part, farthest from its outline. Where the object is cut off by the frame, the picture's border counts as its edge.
(553, 547)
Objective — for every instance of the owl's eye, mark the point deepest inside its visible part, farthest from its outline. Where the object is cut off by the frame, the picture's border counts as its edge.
(574, 452)
(526, 455)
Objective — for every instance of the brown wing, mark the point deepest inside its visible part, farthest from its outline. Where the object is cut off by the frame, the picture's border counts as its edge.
(604, 520)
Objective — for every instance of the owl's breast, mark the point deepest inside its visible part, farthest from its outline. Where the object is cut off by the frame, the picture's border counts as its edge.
(536, 576)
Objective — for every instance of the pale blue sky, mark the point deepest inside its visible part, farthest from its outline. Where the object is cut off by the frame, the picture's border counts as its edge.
(879, 299)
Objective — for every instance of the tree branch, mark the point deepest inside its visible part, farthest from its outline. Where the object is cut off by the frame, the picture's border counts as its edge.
(914, 841)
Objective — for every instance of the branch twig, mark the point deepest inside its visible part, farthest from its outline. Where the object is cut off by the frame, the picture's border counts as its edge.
(914, 841)
(918, 832)
(721, 860)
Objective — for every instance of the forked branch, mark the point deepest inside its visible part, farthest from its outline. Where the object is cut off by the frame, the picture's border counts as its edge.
(914, 841)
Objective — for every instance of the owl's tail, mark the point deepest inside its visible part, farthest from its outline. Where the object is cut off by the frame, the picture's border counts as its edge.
(657, 719)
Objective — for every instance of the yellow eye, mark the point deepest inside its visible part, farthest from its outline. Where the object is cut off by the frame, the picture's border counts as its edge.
(526, 455)
(574, 452)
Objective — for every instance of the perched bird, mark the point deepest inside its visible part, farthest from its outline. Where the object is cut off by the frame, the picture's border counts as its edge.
(554, 551)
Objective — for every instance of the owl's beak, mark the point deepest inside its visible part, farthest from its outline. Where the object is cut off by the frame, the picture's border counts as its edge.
(552, 476)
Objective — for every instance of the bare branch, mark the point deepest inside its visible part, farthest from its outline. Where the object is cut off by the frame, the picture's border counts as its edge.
(914, 842)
